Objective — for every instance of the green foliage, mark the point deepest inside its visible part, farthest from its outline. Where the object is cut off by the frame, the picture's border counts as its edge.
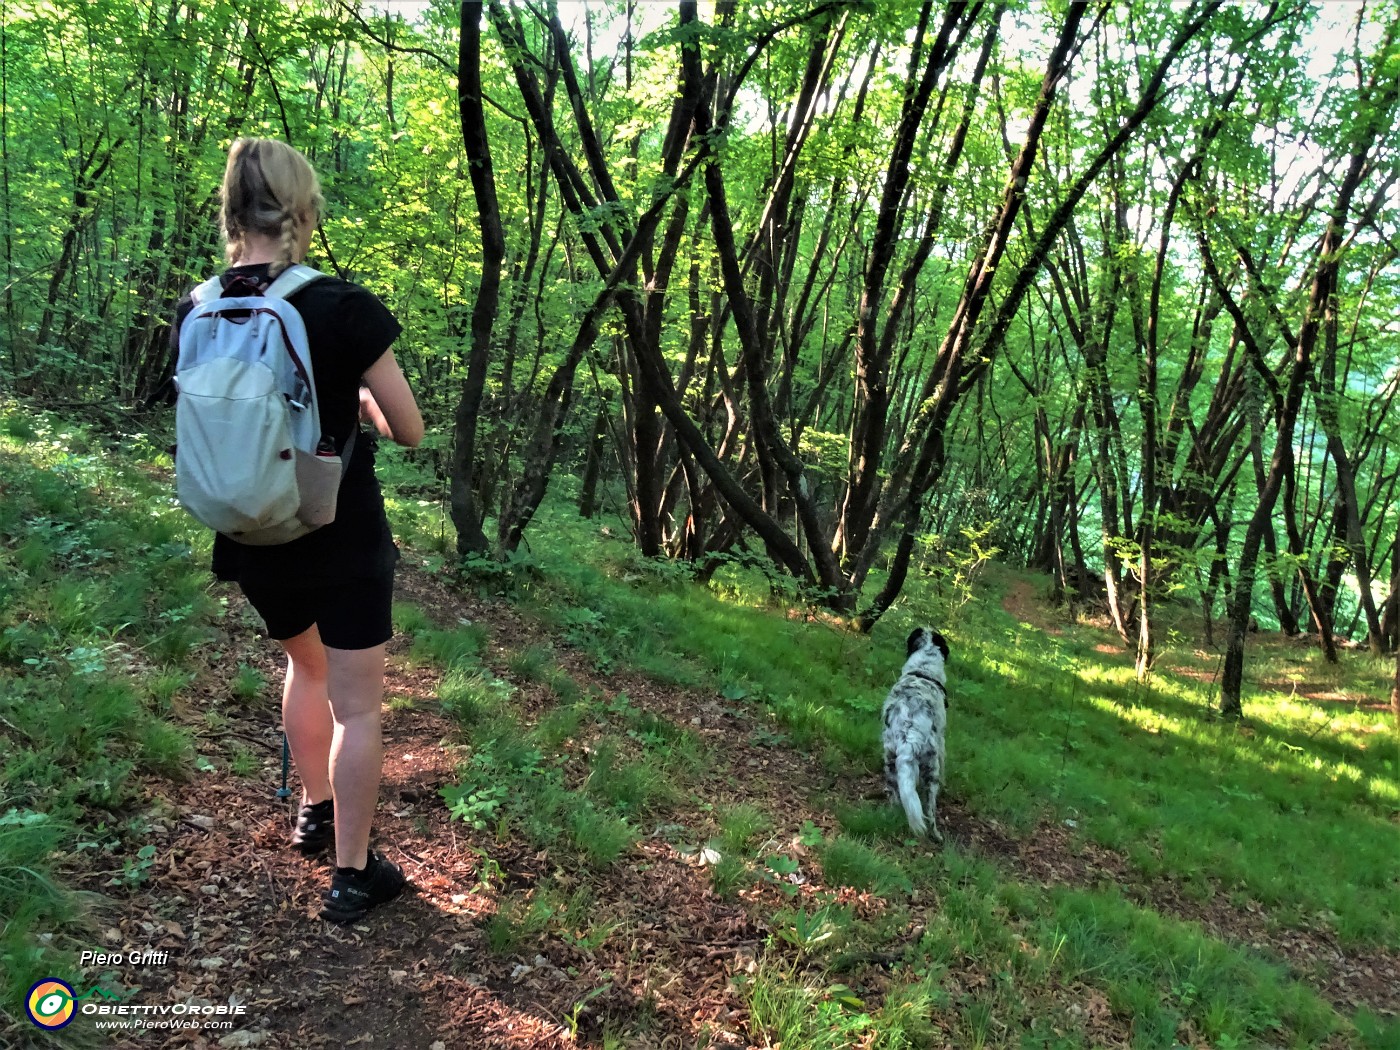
(846, 862)
(822, 929)
(108, 209)
(248, 683)
(447, 648)
(469, 696)
(95, 572)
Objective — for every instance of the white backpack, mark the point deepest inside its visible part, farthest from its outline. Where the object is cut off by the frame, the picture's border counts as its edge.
(250, 459)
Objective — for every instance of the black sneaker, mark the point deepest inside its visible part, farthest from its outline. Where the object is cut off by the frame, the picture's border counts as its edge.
(354, 893)
(315, 828)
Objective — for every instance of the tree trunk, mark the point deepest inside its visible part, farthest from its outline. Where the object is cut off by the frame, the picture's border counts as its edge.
(1395, 691)
(466, 513)
(1287, 622)
(1322, 610)
(1289, 401)
(919, 462)
(593, 466)
(868, 429)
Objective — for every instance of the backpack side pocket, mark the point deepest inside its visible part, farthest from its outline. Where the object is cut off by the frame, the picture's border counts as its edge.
(318, 479)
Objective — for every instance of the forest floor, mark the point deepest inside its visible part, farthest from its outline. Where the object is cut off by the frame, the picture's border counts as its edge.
(236, 910)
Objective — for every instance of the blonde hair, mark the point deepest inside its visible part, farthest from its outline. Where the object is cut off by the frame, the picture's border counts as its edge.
(269, 188)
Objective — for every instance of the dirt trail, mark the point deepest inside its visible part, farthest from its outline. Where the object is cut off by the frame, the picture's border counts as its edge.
(236, 909)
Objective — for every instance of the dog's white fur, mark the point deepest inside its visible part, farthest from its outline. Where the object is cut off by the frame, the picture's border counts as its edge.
(916, 717)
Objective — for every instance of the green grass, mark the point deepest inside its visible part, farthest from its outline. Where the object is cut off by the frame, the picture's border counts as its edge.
(868, 821)
(559, 726)
(164, 686)
(1279, 810)
(1161, 972)
(103, 591)
(741, 826)
(518, 920)
(846, 862)
(1293, 811)
(410, 620)
(248, 683)
(244, 762)
(471, 695)
(530, 663)
(447, 648)
(628, 785)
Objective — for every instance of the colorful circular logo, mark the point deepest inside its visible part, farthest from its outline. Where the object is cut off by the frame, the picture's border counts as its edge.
(50, 1003)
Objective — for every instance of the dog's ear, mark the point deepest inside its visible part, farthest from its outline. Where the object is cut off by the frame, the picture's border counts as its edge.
(916, 640)
(939, 641)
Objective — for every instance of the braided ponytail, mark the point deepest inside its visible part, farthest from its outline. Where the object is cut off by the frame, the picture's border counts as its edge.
(289, 245)
(269, 189)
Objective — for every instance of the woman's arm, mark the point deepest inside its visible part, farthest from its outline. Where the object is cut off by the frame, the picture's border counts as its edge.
(388, 402)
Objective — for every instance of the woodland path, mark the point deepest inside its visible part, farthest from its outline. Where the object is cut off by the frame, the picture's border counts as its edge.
(236, 909)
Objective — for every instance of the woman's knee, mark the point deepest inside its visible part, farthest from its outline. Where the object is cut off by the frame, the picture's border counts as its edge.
(355, 680)
(306, 656)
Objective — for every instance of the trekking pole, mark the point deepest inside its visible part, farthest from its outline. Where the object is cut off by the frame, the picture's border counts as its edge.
(284, 791)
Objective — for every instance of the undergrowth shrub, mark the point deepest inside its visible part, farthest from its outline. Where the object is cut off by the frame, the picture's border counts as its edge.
(102, 593)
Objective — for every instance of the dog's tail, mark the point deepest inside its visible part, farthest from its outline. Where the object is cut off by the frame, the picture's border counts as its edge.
(907, 776)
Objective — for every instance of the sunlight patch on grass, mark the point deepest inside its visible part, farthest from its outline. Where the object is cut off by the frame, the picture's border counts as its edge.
(1289, 807)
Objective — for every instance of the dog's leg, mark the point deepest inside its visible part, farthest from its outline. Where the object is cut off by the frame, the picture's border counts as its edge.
(931, 811)
(891, 778)
(933, 780)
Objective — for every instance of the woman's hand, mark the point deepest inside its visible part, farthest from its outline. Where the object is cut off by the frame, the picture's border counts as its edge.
(387, 402)
(370, 412)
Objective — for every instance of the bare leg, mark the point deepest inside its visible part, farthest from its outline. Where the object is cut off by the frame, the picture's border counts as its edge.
(355, 681)
(306, 714)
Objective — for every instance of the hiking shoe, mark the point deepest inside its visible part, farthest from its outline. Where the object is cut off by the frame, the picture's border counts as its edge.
(315, 828)
(354, 893)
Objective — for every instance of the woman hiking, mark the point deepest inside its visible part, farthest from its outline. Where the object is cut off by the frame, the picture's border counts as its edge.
(325, 597)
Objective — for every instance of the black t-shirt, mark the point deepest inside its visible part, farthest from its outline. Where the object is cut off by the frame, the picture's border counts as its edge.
(349, 329)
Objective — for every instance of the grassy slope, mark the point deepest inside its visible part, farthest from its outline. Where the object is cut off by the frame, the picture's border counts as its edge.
(1291, 816)
(1294, 815)
(1297, 809)
(100, 604)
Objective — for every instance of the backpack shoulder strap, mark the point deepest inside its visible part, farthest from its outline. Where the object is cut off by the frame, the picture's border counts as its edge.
(210, 289)
(292, 280)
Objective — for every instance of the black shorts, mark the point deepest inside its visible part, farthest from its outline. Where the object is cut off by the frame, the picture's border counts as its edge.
(350, 613)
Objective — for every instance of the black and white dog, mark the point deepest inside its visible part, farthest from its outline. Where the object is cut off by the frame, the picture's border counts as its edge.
(916, 716)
